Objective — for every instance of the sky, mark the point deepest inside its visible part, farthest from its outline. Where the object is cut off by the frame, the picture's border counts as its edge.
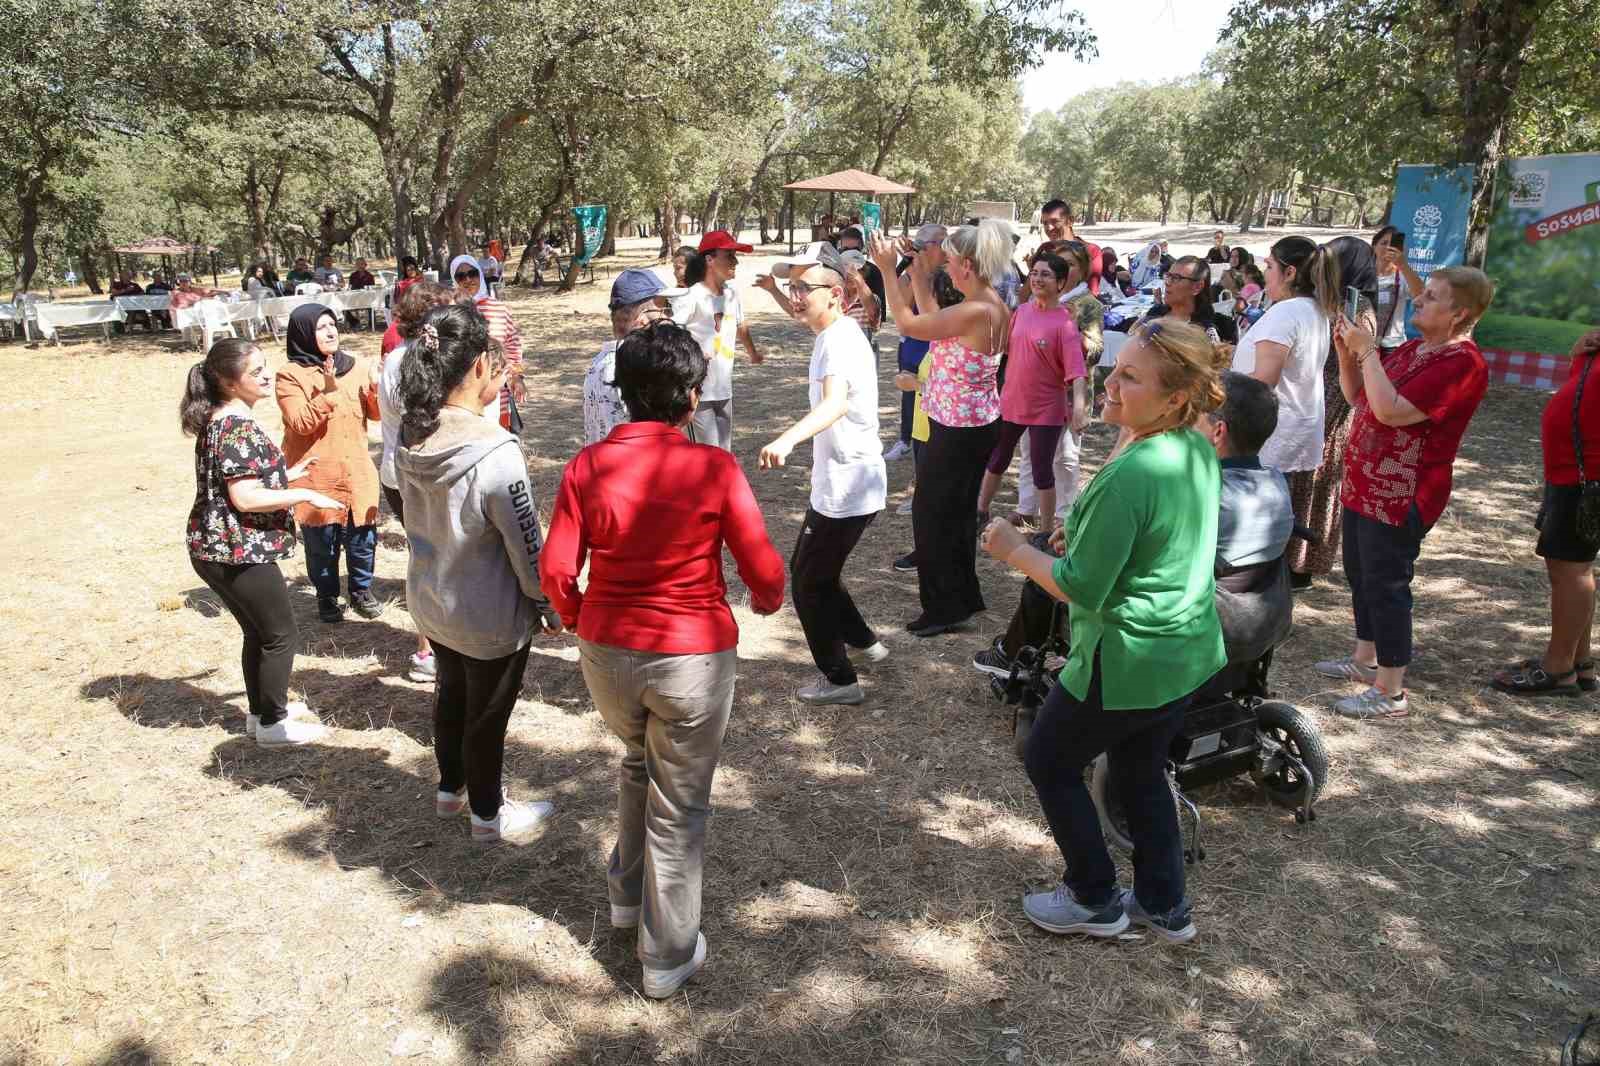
(1140, 40)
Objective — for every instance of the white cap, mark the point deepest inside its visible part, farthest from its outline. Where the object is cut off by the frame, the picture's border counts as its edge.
(812, 256)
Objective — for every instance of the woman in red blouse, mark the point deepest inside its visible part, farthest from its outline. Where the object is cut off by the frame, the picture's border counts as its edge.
(1567, 666)
(1409, 412)
(651, 512)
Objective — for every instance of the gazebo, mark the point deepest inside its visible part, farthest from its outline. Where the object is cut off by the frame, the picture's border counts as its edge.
(850, 181)
(165, 248)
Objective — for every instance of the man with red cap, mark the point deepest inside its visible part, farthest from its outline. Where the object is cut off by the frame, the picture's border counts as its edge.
(712, 313)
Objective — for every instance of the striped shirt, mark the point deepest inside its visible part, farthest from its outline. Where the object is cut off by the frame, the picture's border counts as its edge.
(503, 329)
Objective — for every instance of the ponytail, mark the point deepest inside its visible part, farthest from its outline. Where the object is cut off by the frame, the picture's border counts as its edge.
(204, 388)
(443, 349)
(1316, 271)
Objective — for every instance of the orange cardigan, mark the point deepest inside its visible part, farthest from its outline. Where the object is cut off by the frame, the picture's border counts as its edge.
(332, 427)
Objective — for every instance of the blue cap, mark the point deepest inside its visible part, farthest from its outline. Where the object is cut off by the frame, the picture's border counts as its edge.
(636, 285)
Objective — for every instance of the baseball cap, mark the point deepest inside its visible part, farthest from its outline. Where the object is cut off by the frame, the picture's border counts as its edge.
(720, 240)
(812, 256)
(636, 285)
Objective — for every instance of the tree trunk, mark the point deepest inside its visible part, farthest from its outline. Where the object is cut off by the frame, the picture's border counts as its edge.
(329, 235)
(608, 246)
(708, 217)
(669, 227)
(86, 268)
(29, 192)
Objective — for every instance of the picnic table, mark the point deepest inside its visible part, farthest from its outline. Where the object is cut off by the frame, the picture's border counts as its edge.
(51, 318)
(207, 316)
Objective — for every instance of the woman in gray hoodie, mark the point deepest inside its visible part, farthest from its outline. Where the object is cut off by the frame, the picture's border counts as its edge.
(472, 584)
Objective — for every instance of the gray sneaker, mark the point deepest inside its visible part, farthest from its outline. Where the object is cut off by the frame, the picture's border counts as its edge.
(1374, 703)
(1347, 669)
(1059, 911)
(423, 669)
(1175, 927)
(825, 692)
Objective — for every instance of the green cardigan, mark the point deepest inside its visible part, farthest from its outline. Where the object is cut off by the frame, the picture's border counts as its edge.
(1141, 545)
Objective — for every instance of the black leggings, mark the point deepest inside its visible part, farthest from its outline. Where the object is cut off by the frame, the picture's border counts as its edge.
(944, 518)
(1042, 441)
(258, 599)
(471, 708)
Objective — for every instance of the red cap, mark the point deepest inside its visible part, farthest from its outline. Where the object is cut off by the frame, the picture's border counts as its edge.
(720, 240)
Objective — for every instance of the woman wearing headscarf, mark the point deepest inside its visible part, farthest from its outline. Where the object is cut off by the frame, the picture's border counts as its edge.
(470, 286)
(1147, 268)
(1358, 269)
(326, 395)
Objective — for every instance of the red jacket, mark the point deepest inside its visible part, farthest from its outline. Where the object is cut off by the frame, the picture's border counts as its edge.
(650, 511)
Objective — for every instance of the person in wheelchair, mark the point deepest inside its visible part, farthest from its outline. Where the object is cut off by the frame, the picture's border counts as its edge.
(1254, 523)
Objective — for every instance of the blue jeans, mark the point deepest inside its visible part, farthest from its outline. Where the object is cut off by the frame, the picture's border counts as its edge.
(1067, 736)
(360, 545)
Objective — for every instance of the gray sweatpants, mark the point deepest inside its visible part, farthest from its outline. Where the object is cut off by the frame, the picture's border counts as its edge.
(670, 711)
(713, 423)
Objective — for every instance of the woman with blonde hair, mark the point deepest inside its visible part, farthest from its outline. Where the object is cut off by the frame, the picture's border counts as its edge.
(1145, 636)
(963, 408)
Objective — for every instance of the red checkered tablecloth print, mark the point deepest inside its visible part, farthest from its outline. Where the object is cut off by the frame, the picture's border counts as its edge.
(1532, 370)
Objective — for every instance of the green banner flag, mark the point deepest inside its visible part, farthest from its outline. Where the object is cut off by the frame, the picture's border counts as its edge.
(871, 218)
(591, 228)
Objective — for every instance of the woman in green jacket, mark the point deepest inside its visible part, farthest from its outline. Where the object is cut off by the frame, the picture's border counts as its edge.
(1137, 571)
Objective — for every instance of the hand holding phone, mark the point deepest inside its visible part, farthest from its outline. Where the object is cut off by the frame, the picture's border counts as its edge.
(1352, 302)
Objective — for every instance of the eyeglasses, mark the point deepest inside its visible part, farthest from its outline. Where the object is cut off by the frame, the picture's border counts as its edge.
(1173, 276)
(802, 290)
(463, 275)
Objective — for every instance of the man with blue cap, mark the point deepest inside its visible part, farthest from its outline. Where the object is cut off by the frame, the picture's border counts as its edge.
(638, 298)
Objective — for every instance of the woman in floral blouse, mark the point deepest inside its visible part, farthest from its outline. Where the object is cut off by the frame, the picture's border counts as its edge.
(240, 527)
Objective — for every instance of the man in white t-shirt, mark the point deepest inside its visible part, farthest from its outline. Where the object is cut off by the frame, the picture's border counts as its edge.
(638, 298)
(713, 315)
(489, 268)
(848, 481)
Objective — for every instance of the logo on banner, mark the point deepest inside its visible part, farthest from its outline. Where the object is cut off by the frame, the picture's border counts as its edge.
(1428, 216)
(1528, 188)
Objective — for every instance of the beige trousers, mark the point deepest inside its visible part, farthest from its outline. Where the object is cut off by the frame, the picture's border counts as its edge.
(670, 711)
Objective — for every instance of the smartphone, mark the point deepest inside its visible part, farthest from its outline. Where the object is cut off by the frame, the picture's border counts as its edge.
(1352, 301)
(1398, 241)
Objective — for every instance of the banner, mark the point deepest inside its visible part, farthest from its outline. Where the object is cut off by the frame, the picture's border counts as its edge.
(1431, 207)
(871, 218)
(591, 228)
(1544, 254)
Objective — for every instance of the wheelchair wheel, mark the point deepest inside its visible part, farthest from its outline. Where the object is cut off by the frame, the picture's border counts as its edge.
(1299, 735)
(1113, 821)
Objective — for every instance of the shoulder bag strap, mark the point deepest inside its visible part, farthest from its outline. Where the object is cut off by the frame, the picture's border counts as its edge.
(1577, 428)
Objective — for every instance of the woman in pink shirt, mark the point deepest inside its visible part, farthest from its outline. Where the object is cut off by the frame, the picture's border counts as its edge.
(1046, 355)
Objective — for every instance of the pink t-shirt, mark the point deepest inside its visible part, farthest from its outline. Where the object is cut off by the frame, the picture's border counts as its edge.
(1046, 355)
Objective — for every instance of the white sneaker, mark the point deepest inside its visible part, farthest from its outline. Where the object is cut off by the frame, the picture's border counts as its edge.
(513, 823)
(659, 984)
(289, 733)
(449, 804)
(900, 451)
(297, 711)
(905, 506)
(873, 653)
(624, 917)
(825, 692)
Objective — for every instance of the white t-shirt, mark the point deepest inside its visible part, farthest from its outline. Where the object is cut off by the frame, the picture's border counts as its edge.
(1299, 325)
(847, 473)
(714, 321)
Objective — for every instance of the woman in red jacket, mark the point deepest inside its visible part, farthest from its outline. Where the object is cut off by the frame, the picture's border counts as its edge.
(651, 511)
(1571, 416)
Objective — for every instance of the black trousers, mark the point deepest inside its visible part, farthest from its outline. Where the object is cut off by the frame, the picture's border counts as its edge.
(944, 518)
(1379, 562)
(472, 705)
(257, 597)
(827, 613)
(1030, 624)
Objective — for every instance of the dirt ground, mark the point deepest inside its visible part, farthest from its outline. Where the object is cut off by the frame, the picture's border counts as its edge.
(173, 895)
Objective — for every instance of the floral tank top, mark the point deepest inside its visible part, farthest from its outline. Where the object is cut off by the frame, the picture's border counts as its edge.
(961, 389)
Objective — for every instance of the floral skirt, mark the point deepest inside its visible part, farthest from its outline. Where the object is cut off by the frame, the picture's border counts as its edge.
(1315, 494)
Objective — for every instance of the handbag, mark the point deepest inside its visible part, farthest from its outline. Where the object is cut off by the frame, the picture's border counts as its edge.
(1588, 522)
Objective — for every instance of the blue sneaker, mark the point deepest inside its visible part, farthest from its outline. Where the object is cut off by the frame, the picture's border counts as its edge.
(1175, 927)
(1059, 911)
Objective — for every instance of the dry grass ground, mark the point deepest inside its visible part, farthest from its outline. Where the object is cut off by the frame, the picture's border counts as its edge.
(173, 895)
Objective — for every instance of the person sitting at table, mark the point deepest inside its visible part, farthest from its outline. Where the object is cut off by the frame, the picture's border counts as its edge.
(410, 274)
(361, 277)
(260, 283)
(1146, 269)
(124, 285)
(187, 294)
(327, 275)
(1188, 297)
(300, 275)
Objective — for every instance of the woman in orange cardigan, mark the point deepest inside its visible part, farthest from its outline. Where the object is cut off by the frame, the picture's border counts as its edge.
(326, 397)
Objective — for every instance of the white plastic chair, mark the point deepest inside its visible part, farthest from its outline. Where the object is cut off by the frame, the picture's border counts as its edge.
(1114, 340)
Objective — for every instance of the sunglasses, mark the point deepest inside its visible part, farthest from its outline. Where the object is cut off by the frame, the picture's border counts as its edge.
(463, 275)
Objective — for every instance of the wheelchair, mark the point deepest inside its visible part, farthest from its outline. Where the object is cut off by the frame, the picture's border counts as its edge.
(1233, 727)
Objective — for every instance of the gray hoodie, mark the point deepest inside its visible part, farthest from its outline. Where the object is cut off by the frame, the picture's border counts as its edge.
(473, 580)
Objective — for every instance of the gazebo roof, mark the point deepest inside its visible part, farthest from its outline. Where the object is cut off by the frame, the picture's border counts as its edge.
(850, 181)
(161, 246)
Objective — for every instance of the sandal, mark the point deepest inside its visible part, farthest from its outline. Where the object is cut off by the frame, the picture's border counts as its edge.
(1591, 682)
(1530, 678)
